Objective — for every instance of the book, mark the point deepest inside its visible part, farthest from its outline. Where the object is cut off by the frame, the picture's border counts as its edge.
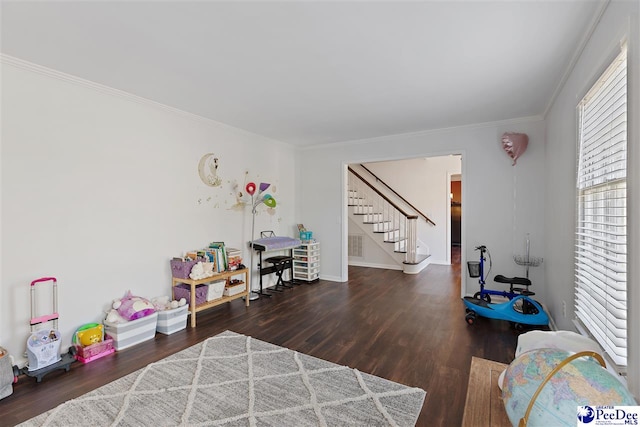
(234, 258)
(223, 264)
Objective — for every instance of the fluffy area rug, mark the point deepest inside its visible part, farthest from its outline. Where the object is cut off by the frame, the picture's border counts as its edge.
(235, 380)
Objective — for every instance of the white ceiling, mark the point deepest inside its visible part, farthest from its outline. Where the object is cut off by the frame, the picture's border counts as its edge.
(314, 72)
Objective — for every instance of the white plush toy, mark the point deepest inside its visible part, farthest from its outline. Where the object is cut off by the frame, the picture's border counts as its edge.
(208, 268)
(165, 303)
(161, 303)
(114, 317)
(199, 271)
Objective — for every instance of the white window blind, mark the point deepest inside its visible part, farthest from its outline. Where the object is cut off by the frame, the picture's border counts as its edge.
(601, 228)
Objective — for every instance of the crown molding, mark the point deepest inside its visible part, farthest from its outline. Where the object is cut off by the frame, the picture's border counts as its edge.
(591, 28)
(497, 123)
(98, 87)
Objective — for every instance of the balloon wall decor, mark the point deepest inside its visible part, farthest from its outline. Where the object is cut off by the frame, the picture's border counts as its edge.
(514, 144)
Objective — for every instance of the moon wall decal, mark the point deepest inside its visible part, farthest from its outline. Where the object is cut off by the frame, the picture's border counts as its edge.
(208, 170)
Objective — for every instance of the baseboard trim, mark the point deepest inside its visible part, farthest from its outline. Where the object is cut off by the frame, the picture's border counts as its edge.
(374, 265)
(332, 278)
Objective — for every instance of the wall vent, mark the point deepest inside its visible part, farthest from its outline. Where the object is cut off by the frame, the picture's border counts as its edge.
(355, 245)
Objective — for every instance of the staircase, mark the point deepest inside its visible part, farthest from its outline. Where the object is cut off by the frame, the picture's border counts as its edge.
(382, 216)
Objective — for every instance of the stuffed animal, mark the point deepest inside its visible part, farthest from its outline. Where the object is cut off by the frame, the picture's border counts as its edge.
(208, 268)
(161, 303)
(90, 334)
(164, 303)
(131, 307)
(114, 317)
(199, 271)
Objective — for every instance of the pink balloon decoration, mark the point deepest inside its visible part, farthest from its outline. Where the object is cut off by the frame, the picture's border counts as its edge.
(251, 188)
(514, 144)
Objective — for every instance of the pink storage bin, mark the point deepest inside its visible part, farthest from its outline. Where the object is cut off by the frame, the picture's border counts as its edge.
(95, 351)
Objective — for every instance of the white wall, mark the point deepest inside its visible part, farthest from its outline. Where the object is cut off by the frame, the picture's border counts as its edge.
(373, 253)
(425, 183)
(101, 189)
(620, 21)
(502, 203)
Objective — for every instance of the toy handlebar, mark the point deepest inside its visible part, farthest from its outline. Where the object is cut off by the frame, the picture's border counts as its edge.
(44, 279)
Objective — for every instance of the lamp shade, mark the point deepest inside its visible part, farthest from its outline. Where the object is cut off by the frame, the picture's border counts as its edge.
(264, 186)
(251, 188)
(270, 202)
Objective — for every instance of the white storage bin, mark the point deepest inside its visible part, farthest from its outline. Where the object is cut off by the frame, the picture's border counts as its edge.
(174, 320)
(215, 290)
(131, 333)
(235, 289)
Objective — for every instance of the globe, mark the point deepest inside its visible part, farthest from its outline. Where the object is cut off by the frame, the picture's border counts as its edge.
(568, 397)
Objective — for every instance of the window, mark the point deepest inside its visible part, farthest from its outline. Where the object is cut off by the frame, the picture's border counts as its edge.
(601, 227)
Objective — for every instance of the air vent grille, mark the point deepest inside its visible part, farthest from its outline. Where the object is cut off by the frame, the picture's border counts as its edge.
(355, 245)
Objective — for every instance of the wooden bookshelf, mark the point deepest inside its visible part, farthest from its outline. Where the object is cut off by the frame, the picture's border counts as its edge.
(193, 308)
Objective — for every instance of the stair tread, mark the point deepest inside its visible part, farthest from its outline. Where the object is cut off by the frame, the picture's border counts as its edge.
(377, 220)
(419, 259)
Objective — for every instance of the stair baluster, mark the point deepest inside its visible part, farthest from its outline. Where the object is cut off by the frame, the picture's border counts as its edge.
(384, 215)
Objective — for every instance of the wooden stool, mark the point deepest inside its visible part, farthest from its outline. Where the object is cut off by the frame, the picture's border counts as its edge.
(280, 263)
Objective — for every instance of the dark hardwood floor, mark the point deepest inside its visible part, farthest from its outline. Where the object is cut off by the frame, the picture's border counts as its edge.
(406, 328)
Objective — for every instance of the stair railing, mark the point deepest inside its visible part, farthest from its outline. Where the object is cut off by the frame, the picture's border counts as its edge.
(385, 216)
(399, 196)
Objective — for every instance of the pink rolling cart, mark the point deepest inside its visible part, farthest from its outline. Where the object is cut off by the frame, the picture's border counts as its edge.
(43, 345)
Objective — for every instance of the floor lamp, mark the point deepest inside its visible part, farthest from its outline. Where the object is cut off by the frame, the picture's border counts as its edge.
(257, 200)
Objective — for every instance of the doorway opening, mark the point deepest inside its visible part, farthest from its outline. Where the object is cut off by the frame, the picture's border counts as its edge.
(455, 194)
(423, 181)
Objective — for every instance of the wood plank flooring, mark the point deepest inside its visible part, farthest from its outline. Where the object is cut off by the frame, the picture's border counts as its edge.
(484, 405)
(406, 328)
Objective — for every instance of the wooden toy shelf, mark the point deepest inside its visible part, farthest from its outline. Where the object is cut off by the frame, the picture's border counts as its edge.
(193, 308)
